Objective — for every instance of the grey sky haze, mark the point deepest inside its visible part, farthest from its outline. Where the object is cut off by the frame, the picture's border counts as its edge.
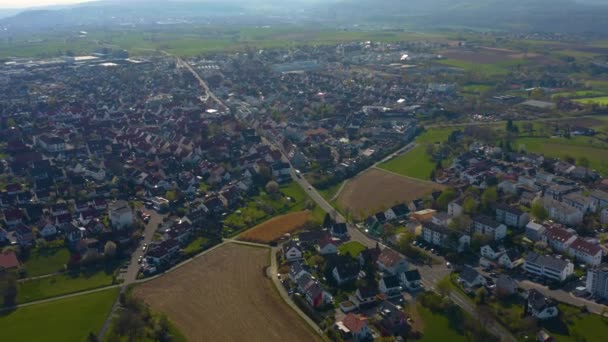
(35, 3)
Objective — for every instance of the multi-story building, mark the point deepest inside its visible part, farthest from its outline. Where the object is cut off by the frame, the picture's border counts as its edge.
(489, 227)
(558, 239)
(442, 236)
(587, 252)
(548, 267)
(511, 216)
(597, 281)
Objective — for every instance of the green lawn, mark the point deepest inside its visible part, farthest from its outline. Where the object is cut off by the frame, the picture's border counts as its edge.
(264, 207)
(575, 147)
(41, 262)
(195, 246)
(582, 327)
(63, 320)
(54, 286)
(492, 69)
(330, 192)
(580, 93)
(476, 88)
(353, 248)
(416, 163)
(437, 327)
(599, 100)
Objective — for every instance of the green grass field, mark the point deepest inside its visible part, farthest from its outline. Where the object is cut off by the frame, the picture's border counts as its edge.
(195, 245)
(58, 285)
(330, 192)
(66, 320)
(589, 100)
(184, 42)
(490, 69)
(353, 248)
(561, 147)
(476, 88)
(580, 94)
(41, 262)
(416, 163)
(437, 327)
(582, 327)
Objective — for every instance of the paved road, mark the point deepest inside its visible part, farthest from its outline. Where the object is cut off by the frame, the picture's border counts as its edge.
(429, 274)
(208, 92)
(564, 296)
(466, 124)
(130, 276)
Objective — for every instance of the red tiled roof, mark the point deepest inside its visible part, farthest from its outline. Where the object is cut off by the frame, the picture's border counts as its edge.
(389, 258)
(354, 322)
(9, 260)
(585, 247)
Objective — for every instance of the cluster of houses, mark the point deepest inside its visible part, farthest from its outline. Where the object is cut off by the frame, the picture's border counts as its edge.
(379, 298)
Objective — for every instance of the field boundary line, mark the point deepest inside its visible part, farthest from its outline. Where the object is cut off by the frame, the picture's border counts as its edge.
(408, 177)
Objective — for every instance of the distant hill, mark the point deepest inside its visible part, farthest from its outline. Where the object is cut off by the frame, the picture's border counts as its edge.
(568, 16)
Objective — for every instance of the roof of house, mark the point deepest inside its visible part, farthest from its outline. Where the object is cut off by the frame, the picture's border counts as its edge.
(434, 227)
(391, 281)
(546, 261)
(558, 234)
(339, 228)
(400, 209)
(389, 258)
(289, 245)
(8, 260)
(586, 247)
(469, 274)
(368, 291)
(486, 221)
(354, 322)
(412, 275)
(509, 209)
(538, 302)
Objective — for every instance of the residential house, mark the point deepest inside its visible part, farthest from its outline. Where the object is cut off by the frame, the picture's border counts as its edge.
(339, 230)
(73, 234)
(59, 209)
(548, 266)
(604, 216)
(121, 215)
(393, 321)
(580, 202)
(424, 215)
(313, 237)
(411, 280)
(535, 231)
(563, 213)
(442, 236)
(540, 306)
(162, 252)
(455, 208)
(487, 226)
(599, 198)
(327, 246)
(490, 251)
(441, 219)
(392, 262)
(390, 286)
(399, 211)
(47, 230)
(354, 326)
(9, 261)
(470, 278)
(25, 235)
(317, 296)
(13, 216)
(511, 216)
(292, 252)
(507, 259)
(597, 281)
(365, 296)
(506, 286)
(558, 239)
(587, 252)
(369, 256)
(345, 270)
(296, 270)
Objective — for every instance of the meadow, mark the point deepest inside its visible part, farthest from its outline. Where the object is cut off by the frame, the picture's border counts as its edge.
(68, 320)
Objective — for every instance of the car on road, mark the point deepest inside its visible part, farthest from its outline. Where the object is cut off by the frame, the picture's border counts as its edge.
(448, 264)
(310, 188)
(144, 247)
(140, 259)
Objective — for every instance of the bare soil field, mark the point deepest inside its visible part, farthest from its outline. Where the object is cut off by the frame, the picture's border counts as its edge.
(376, 190)
(276, 227)
(225, 296)
(486, 55)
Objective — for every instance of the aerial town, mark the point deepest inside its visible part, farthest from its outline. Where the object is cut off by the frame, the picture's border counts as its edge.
(385, 196)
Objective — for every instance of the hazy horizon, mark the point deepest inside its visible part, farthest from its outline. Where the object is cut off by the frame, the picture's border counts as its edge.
(4, 4)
